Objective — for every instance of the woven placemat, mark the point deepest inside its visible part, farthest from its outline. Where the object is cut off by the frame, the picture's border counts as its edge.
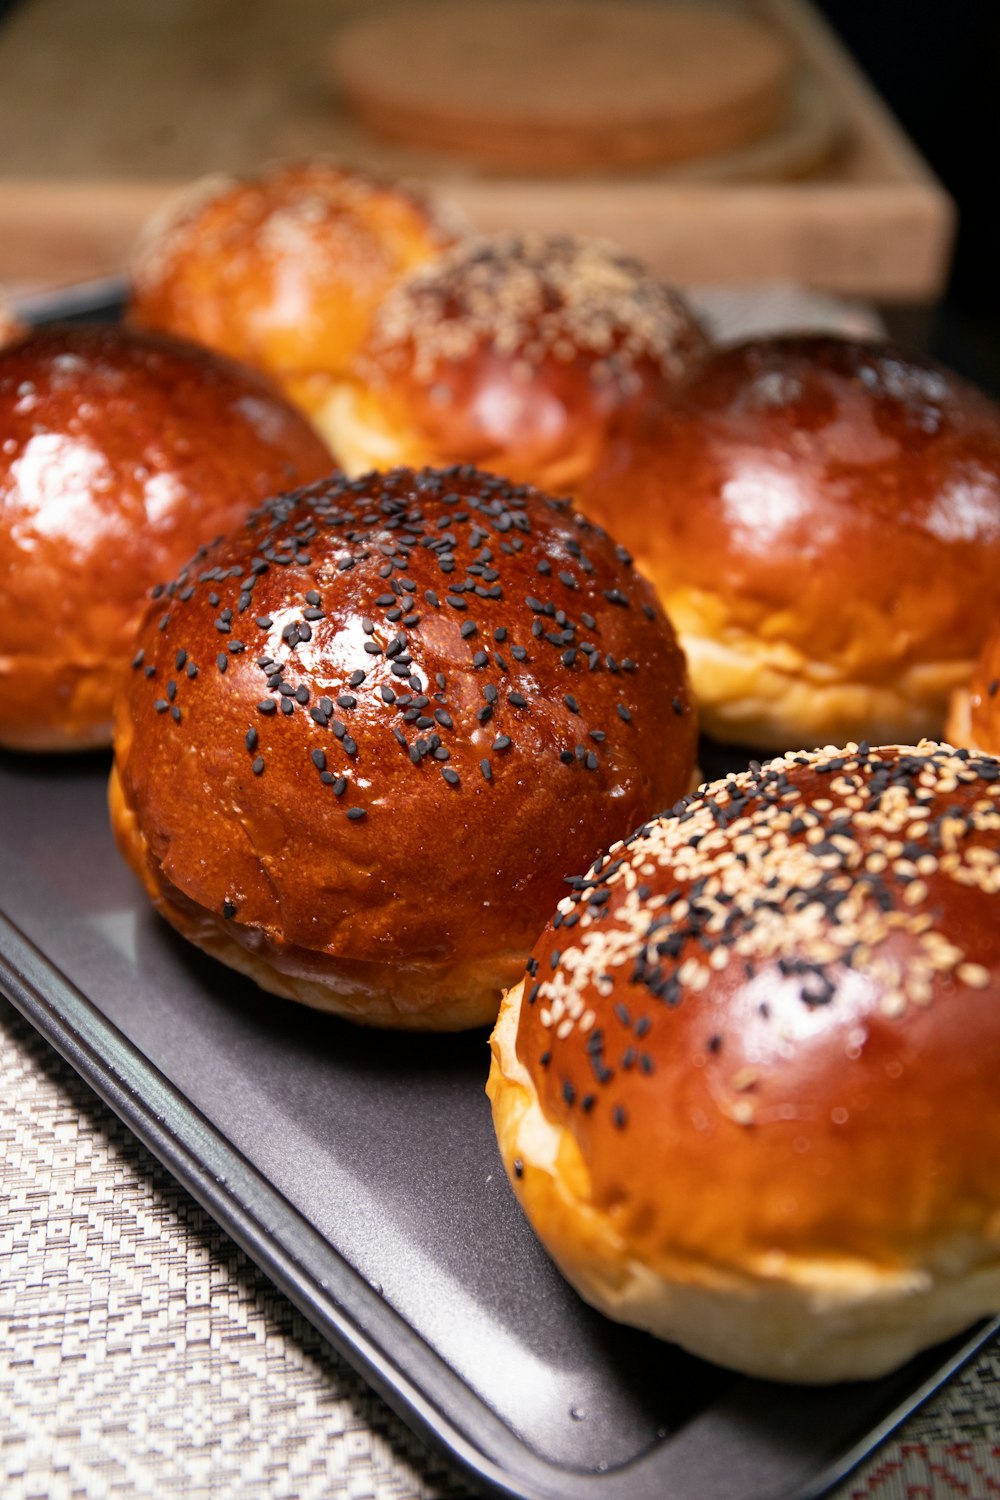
(142, 1353)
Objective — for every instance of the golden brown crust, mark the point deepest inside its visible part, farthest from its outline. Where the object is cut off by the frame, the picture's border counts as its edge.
(123, 450)
(438, 692)
(974, 712)
(767, 1048)
(822, 520)
(537, 355)
(283, 270)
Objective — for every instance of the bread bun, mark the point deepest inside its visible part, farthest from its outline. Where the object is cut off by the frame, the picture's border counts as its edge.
(122, 451)
(974, 711)
(747, 1093)
(283, 270)
(420, 700)
(535, 355)
(821, 518)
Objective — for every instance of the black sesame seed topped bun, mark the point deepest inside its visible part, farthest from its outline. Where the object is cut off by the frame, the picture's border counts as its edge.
(746, 1093)
(366, 737)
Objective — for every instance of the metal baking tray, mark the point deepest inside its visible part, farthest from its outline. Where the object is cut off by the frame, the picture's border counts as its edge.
(359, 1170)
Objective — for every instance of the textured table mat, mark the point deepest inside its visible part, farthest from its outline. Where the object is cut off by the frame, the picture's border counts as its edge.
(142, 1353)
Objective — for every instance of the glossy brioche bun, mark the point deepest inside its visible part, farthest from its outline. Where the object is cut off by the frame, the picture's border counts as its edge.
(974, 711)
(748, 1099)
(821, 519)
(421, 698)
(284, 269)
(122, 451)
(531, 354)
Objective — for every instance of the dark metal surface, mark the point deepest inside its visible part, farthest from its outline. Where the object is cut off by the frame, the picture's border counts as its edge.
(360, 1171)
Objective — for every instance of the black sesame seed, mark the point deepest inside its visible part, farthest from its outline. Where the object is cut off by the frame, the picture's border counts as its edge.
(267, 706)
(623, 713)
(517, 699)
(502, 742)
(251, 740)
(222, 661)
(258, 766)
(355, 813)
(228, 910)
(451, 776)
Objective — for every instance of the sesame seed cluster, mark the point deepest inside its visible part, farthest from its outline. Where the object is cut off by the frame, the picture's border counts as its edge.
(812, 868)
(370, 635)
(529, 298)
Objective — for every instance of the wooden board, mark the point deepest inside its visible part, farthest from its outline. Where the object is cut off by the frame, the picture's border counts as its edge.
(107, 106)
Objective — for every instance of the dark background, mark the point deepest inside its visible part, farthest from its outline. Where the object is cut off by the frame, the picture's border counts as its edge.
(937, 65)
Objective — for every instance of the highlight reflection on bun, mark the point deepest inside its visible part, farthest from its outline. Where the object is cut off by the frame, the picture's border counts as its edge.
(821, 519)
(746, 1094)
(536, 355)
(368, 733)
(122, 451)
(283, 269)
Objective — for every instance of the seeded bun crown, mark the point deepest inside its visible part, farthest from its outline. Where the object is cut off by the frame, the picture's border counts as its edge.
(822, 521)
(366, 736)
(283, 269)
(122, 451)
(974, 712)
(537, 355)
(746, 1093)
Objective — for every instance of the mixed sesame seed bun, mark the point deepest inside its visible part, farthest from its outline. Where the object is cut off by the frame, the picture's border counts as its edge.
(821, 518)
(974, 711)
(746, 1093)
(367, 735)
(121, 451)
(539, 356)
(283, 269)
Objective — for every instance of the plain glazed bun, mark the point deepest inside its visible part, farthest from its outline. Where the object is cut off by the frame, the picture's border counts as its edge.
(535, 355)
(974, 712)
(747, 1093)
(122, 452)
(368, 734)
(285, 269)
(821, 519)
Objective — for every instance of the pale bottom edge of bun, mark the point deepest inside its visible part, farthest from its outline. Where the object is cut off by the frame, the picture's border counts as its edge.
(814, 1321)
(360, 438)
(769, 694)
(400, 997)
(453, 996)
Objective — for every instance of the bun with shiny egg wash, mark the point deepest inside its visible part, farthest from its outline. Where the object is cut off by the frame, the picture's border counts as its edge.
(284, 268)
(367, 735)
(821, 518)
(746, 1092)
(539, 356)
(121, 452)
